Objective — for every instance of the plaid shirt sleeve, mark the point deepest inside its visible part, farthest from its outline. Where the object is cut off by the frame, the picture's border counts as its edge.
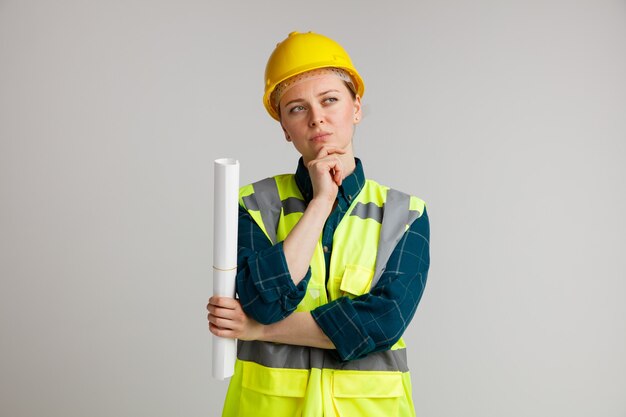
(264, 285)
(375, 321)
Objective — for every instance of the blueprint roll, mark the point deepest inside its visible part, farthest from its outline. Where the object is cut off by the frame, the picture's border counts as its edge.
(225, 217)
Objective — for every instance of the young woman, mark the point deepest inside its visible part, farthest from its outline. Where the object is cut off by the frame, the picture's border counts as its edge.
(331, 266)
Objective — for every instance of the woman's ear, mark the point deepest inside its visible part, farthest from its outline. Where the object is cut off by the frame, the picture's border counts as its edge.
(357, 109)
(287, 138)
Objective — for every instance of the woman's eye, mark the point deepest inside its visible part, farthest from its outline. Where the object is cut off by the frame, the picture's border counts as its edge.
(330, 99)
(296, 109)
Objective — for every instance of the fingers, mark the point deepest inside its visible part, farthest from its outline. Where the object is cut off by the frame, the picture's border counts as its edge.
(227, 319)
(225, 307)
(225, 314)
(333, 149)
(336, 170)
(329, 150)
(227, 327)
(338, 177)
(326, 173)
(224, 302)
(327, 162)
(217, 331)
(338, 173)
(220, 313)
(223, 323)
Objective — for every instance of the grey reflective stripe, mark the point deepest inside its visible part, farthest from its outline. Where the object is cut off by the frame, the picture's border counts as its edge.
(289, 205)
(387, 360)
(397, 217)
(394, 216)
(368, 211)
(413, 215)
(293, 205)
(268, 201)
(250, 202)
(270, 210)
(274, 355)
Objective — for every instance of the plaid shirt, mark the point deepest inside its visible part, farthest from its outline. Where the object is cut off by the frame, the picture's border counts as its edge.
(367, 323)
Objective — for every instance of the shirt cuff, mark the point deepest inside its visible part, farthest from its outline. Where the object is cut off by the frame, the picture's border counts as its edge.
(270, 275)
(340, 322)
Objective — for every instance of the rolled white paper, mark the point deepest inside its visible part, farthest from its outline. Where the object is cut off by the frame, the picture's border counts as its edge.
(225, 217)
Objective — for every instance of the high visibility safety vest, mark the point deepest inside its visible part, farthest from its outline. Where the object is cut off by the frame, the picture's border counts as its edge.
(279, 380)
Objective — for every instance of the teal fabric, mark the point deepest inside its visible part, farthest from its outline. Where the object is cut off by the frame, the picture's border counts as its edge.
(368, 323)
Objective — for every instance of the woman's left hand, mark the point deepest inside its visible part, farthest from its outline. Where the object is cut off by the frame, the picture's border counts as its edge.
(227, 319)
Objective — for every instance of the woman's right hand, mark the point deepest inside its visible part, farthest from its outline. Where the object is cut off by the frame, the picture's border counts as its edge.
(326, 172)
(227, 319)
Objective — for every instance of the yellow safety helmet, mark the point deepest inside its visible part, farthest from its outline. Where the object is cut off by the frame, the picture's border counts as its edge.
(302, 52)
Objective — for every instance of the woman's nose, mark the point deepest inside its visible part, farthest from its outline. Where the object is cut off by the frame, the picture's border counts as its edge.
(315, 118)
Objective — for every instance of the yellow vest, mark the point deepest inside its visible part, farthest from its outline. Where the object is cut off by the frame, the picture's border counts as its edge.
(279, 380)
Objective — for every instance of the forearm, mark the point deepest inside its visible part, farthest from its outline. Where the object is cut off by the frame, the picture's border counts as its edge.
(227, 319)
(264, 284)
(303, 238)
(297, 329)
(376, 320)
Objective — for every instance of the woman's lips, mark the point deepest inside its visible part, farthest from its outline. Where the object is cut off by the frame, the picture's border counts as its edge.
(320, 137)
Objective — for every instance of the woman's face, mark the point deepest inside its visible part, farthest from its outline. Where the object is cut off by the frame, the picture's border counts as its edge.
(319, 112)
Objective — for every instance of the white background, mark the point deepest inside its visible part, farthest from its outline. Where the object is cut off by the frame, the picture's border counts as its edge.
(507, 117)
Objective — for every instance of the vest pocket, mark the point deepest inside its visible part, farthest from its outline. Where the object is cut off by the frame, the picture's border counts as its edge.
(272, 392)
(367, 393)
(356, 280)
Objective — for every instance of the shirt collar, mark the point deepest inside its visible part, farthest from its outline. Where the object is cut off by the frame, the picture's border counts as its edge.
(350, 187)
